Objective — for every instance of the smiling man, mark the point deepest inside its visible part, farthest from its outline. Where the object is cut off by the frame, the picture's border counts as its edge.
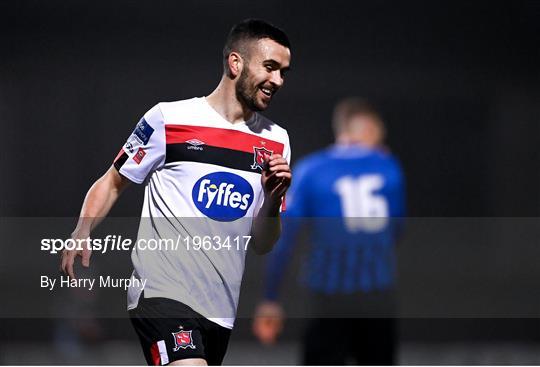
(215, 173)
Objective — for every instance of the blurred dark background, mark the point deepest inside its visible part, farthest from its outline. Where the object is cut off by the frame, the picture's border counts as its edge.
(458, 84)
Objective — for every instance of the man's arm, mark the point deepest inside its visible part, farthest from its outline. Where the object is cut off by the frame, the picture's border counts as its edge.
(266, 228)
(269, 318)
(97, 204)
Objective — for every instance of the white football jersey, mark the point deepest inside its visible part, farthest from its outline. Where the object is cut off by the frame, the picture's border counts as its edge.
(203, 188)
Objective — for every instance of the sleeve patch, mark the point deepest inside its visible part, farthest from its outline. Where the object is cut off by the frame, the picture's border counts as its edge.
(143, 131)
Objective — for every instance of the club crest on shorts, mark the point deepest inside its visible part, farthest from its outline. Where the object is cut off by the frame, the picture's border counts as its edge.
(260, 155)
(183, 339)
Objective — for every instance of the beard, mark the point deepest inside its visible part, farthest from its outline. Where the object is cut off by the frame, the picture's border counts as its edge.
(247, 94)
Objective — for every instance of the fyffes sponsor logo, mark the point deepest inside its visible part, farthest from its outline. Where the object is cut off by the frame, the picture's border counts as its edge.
(223, 196)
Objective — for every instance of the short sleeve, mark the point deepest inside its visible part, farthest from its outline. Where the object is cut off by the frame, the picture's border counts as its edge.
(297, 195)
(287, 151)
(287, 156)
(399, 207)
(144, 150)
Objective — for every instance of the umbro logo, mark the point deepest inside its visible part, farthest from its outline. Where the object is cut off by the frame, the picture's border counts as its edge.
(195, 144)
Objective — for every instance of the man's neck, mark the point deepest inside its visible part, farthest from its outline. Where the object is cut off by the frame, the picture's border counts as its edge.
(354, 141)
(223, 100)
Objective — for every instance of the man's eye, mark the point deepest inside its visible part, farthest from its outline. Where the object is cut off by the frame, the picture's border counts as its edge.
(269, 68)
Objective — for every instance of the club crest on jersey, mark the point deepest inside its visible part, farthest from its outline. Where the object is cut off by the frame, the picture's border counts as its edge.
(260, 156)
(183, 339)
(222, 196)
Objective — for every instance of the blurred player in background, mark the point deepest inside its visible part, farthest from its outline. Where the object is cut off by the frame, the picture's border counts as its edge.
(212, 158)
(351, 197)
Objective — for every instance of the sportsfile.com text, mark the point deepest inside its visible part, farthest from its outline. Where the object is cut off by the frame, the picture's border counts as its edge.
(118, 243)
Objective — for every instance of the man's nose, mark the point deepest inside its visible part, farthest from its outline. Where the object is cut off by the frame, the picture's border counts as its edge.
(276, 79)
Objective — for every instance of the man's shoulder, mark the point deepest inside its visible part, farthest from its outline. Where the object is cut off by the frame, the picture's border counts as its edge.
(180, 107)
(265, 121)
(386, 156)
(265, 127)
(313, 161)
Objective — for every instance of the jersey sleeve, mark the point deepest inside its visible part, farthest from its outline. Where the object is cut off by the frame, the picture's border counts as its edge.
(287, 156)
(398, 209)
(144, 150)
(297, 195)
(287, 151)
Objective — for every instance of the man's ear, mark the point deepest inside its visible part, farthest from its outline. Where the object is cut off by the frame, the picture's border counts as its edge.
(236, 63)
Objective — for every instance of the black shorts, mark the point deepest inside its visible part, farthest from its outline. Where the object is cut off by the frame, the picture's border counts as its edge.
(170, 331)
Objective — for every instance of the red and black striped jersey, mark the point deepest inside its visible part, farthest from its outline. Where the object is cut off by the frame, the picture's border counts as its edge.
(203, 178)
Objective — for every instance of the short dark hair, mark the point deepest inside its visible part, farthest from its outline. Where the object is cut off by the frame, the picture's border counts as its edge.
(350, 107)
(249, 30)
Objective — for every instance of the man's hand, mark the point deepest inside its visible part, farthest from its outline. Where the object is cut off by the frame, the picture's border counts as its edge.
(268, 322)
(68, 256)
(266, 227)
(276, 178)
(99, 200)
